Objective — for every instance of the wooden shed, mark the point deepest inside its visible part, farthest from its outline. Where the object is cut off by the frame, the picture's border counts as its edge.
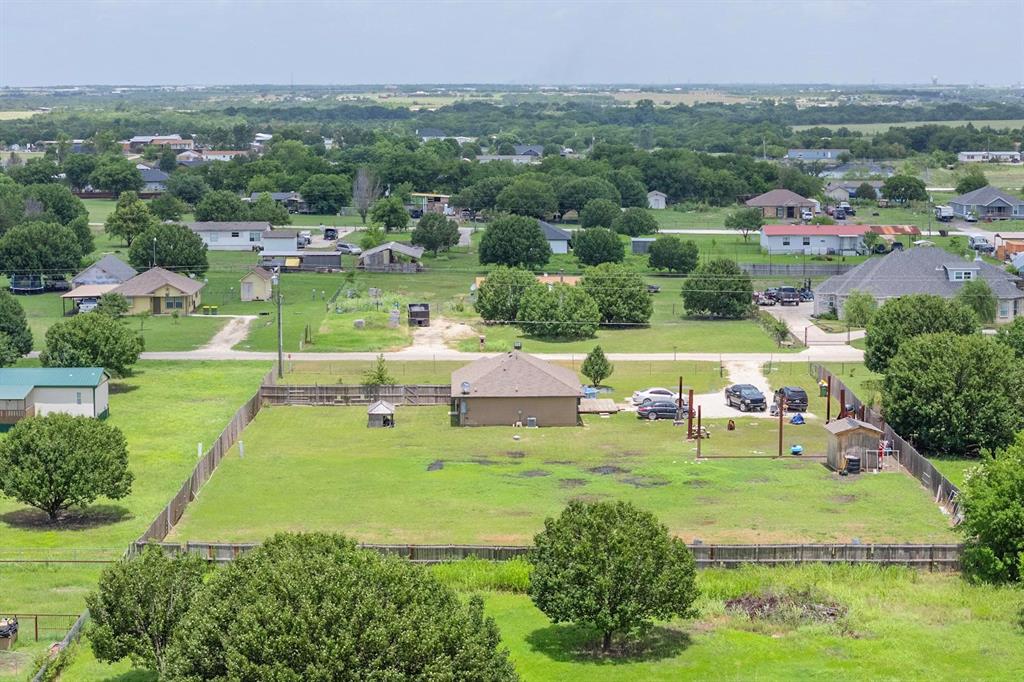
(850, 437)
(257, 285)
(392, 257)
(380, 414)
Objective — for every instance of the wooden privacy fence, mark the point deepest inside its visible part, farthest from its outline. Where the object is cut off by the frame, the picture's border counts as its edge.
(354, 394)
(924, 557)
(943, 491)
(757, 270)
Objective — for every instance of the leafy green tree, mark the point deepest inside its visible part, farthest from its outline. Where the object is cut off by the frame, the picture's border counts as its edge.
(265, 209)
(559, 311)
(9, 355)
(1010, 335)
(596, 366)
(599, 213)
(130, 218)
(745, 220)
(40, 247)
(326, 193)
(139, 604)
(12, 204)
(903, 318)
(168, 207)
(188, 187)
(378, 375)
(620, 293)
(971, 179)
(59, 204)
(673, 254)
(483, 194)
(34, 172)
(859, 308)
(598, 245)
(174, 247)
(527, 197)
(796, 180)
(78, 169)
(516, 241)
(777, 329)
(613, 567)
(13, 323)
(718, 288)
(865, 192)
(116, 174)
(314, 606)
(635, 222)
(91, 340)
(904, 188)
(992, 503)
(59, 461)
(954, 394)
(871, 239)
(497, 299)
(112, 305)
(220, 206)
(372, 236)
(434, 232)
(629, 182)
(390, 213)
(578, 192)
(168, 162)
(977, 295)
(260, 184)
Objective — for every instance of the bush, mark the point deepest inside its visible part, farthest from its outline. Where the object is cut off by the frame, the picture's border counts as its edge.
(718, 288)
(560, 311)
(497, 299)
(92, 340)
(992, 502)
(635, 222)
(673, 254)
(900, 319)
(597, 245)
(599, 213)
(620, 294)
(515, 241)
(858, 308)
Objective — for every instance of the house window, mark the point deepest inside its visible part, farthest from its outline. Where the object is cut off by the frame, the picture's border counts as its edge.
(234, 235)
(780, 212)
(254, 236)
(1004, 309)
(78, 398)
(214, 236)
(807, 241)
(785, 241)
(174, 302)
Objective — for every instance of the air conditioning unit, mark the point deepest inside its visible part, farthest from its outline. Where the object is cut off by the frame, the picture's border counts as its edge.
(531, 422)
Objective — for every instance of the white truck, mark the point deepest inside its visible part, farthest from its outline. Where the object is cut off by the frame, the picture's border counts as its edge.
(944, 214)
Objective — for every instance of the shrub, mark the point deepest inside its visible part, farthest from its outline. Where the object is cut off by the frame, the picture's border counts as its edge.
(635, 222)
(673, 254)
(718, 288)
(598, 245)
(560, 311)
(599, 213)
(992, 502)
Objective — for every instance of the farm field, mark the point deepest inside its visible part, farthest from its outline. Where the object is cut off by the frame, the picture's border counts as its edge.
(873, 128)
(1005, 176)
(482, 486)
(16, 115)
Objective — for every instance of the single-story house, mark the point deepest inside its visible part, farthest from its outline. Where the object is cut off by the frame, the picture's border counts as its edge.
(257, 285)
(279, 241)
(155, 180)
(107, 270)
(988, 203)
(302, 261)
(161, 292)
(427, 202)
(292, 201)
(989, 157)
(656, 199)
(38, 391)
(781, 203)
(558, 239)
(529, 149)
(845, 240)
(515, 388)
(221, 154)
(815, 154)
(175, 142)
(231, 235)
(847, 189)
(514, 159)
(921, 270)
(1008, 244)
(392, 257)
(427, 134)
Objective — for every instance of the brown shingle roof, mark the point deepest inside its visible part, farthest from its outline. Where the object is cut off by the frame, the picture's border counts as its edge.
(514, 374)
(849, 424)
(262, 273)
(779, 197)
(154, 278)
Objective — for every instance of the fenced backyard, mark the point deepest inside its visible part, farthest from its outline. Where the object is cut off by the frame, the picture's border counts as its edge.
(355, 394)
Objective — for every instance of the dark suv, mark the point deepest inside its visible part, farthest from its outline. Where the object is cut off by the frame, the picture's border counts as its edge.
(745, 397)
(795, 397)
(659, 409)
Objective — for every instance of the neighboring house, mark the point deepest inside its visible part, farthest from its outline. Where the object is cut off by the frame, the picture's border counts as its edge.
(160, 292)
(781, 203)
(232, 236)
(292, 201)
(921, 270)
(257, 285)
(428, 202)
(302, 261)
(656, 199)
(846, 190)
(427, 134)
(558, 239)
(259, 142)
(844, 240)
(38, 391)
(221, 154)
(175, 142)
(857, 169)
(989, 157)
(1008, 244)
(515, 388)
(107, 270)
(529, 149)
(515, 159)
(276, 242)
(155, 180)
(815, 154)
(391, 257)
(988, 203)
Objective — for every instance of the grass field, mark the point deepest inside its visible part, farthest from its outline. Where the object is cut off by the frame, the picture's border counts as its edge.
(1005, 176)
(874, 128)
(427, 482)
(100, 210)
(15, 115)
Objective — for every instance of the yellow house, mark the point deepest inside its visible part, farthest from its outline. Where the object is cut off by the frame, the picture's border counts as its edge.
(257, 285)
(161, 292)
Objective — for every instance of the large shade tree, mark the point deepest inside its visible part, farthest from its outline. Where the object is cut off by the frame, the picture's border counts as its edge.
(130, 218)
(37, 247)
(903, 318)
(516, 241)
(498, 297)
(561, 311)
(620, 293)
(170, 246)
(718, 288)
(92, 340)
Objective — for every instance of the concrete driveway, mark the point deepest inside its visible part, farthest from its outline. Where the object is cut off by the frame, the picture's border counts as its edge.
(798, 317)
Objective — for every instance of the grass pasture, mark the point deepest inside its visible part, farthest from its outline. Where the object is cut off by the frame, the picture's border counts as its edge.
(427, 482)
(875, 128)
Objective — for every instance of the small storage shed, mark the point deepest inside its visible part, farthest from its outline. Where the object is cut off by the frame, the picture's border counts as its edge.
(850, 437)
(419, 314)
(392, 257)
(257, 285)
(380, 414)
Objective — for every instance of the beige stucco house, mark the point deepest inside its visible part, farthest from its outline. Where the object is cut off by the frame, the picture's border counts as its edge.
(515, 388)
(257, 285)
(161, 292)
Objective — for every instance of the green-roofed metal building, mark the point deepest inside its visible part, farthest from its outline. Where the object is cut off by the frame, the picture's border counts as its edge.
(32, 391)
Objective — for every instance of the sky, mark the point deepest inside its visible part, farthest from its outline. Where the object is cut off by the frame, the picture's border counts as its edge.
(145, 42)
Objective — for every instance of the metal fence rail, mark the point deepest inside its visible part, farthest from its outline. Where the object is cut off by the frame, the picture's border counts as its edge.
(355, 394)
(756, 270)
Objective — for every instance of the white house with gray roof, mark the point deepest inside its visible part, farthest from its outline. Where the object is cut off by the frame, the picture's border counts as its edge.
(922, 270)
(231, 236)
(988, 202)
(558, 239)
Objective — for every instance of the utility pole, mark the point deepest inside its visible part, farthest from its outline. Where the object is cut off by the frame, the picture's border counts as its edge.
(782, 415)
(276, 281)
(153, 263)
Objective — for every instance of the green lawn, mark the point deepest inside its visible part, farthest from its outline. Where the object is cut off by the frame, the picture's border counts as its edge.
(493, 489)
(100, 209)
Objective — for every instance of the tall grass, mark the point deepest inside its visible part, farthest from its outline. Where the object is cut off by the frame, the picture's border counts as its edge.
(470, 575)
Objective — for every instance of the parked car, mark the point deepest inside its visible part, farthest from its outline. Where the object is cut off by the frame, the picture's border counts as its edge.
(330, 233)
(653, 288)
(764, 299)
(795, 398)
(788, 296)
(806, 214)
(772, 293)
(806, 295)
(654, 394)
(87, 305)
(971, 218)
(345, 247)
(745, 397)
(839, 214)
(980, 244)
(659, 409)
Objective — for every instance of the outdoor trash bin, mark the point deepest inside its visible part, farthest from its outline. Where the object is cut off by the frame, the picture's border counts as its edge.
(206, 310)
(822, 389)
(8, 633)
